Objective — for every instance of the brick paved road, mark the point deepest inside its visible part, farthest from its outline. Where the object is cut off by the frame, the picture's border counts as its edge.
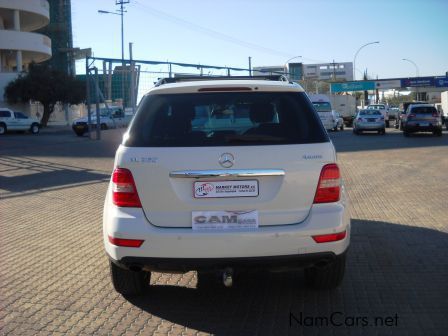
(54, 277)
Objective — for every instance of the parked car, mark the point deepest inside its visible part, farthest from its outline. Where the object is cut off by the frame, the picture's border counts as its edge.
(17, 121)
(112, 117)
(422, 118)
(369, 120)
(403, 107)
(384, 109)
(255, 185)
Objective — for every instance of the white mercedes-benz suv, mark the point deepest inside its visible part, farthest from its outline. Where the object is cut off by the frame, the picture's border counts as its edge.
(221, 176)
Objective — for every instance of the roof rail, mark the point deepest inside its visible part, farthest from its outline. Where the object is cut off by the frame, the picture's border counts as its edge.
(180, 79)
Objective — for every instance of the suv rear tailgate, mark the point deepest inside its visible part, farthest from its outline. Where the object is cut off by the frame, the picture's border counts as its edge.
(281, 199)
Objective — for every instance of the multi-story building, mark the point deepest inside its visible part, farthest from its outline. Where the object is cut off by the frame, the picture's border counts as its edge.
(336, 71)
(19, 44)
(60, 31)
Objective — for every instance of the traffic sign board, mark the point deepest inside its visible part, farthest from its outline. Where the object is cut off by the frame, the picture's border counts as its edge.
(352, 86)
(441, 81)
(388, 84)
(417, 82)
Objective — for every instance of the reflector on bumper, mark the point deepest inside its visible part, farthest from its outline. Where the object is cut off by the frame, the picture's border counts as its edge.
(330, 237)
(125, 242)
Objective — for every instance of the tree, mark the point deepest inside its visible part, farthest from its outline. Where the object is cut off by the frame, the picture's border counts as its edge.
(47, 86)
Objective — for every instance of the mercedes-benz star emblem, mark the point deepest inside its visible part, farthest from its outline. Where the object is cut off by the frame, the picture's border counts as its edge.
(226, 160)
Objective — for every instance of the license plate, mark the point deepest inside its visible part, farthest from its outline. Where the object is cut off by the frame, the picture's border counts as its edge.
(219, 189)
(79, 126)
(224, 220)
(424, 124)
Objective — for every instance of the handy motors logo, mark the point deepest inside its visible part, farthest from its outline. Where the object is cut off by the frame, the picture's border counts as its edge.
(204, 189)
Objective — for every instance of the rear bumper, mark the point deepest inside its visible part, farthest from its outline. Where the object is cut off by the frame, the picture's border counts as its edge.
(418, 127)
(171, 244)
(329, 125)
(276, 263)
(81, 127)
(370, 126)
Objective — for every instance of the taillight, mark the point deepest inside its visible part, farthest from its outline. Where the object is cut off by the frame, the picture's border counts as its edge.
(329, 186)
(435, 115)
(124, 192)
(327, 238)
(411, 116)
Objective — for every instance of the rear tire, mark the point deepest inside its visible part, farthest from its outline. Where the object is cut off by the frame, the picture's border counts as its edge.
(329, 276)
(437, 133)
(129, 282)
(387, 124)
(103, 127)
(34, 129)
(3, 129)
(342, 127)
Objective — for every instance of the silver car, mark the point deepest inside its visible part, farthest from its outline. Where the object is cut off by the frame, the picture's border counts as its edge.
(369, 120)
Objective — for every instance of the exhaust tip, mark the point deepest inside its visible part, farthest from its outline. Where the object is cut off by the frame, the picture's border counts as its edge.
(227, 277)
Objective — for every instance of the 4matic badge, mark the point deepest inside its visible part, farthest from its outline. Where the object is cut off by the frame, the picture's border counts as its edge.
(144, 159)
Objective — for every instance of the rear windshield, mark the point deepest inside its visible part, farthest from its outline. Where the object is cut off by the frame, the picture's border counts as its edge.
(376, 107)
(424, 110)
(322, 106)
(369, 112)
(225, 119)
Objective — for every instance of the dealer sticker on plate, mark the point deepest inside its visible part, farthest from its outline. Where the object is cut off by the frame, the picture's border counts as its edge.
(214, 189)
(224, 220)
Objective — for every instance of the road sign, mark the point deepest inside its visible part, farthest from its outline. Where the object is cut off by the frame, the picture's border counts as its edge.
(352, 86)
(417, 82)
(388, 84)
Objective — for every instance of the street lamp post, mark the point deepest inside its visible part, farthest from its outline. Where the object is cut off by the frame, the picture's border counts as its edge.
(417, 73)
(356, 54)
(121, 12)
(287, 64)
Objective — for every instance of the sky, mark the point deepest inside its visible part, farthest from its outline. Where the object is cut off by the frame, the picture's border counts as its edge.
(227, 32)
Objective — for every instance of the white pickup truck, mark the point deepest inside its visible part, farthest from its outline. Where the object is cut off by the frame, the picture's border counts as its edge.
(17, 121)
(112, 117)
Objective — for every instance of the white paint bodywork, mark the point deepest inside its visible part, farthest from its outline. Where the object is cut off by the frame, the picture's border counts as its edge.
(17, 124)
(287, 216)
